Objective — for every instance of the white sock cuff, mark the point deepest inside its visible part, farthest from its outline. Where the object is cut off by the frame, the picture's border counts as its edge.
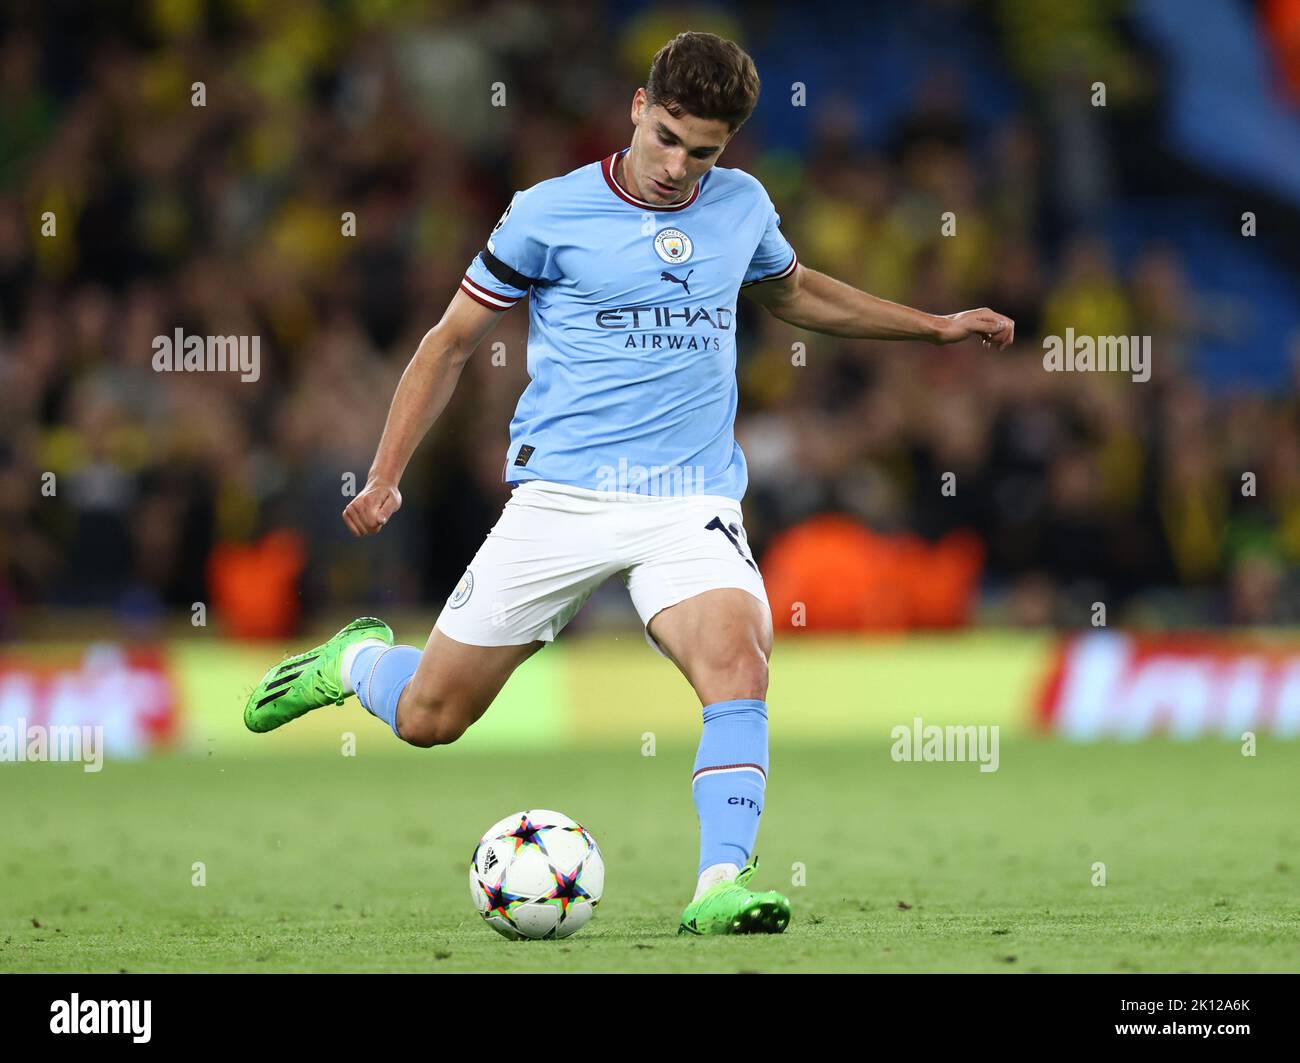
(349, 659)
(712, 875)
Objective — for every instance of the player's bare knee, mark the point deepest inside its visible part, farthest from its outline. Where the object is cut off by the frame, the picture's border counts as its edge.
(741, 673)
(428, 731)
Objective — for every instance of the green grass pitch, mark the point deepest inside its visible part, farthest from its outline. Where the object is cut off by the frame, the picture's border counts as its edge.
(331, 863)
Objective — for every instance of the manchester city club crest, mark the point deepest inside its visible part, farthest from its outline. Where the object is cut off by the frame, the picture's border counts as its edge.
(673, 245)
(462, 592)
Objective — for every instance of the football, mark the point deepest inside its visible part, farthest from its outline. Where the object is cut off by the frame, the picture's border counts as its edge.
(536, 874)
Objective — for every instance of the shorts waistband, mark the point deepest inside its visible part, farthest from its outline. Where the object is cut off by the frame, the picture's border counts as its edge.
(592, 495)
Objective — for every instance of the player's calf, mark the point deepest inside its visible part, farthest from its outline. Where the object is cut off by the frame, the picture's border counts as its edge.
(434, 697)
(434, 722)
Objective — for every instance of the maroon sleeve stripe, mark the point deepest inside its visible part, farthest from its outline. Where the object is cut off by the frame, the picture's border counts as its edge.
(490, 299)
(794, 261)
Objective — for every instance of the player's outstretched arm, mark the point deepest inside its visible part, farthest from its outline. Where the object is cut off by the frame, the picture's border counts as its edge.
(814, 301)
(422, 393)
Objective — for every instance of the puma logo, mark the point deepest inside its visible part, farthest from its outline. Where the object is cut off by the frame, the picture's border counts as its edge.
(666, 276)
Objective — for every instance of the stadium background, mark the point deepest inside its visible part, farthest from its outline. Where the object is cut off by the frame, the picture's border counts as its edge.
(194, 530)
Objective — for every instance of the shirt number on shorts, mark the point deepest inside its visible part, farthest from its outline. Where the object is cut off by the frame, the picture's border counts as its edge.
(733, 533)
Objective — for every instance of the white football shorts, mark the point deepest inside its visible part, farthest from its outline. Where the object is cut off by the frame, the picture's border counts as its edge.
(554, 544)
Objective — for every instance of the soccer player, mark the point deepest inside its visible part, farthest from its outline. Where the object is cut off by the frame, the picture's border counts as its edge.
(621, 450)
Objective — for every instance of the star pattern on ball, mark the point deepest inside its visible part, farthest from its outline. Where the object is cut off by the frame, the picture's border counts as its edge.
(499, 901)
(528, 833)
(568, 889)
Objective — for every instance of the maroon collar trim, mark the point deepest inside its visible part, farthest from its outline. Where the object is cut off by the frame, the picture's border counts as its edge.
(607, 169)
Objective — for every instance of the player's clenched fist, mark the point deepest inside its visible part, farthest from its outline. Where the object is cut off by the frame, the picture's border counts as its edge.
(370, 510)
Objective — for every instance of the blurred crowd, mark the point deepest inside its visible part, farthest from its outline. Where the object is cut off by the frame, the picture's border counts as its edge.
(119, 486)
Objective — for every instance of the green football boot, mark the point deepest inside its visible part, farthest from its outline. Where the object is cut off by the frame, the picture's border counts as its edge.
(732, 908)
(309, 680)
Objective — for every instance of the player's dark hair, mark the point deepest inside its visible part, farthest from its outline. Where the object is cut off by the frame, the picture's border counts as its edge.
(705, 76)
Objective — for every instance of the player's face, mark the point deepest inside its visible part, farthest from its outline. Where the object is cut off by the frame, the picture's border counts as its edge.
(668, 154)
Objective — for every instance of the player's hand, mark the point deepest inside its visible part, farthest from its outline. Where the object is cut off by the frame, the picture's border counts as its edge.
(993, 329)
(370, 510)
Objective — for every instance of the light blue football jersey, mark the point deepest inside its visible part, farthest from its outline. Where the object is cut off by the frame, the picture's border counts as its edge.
(631, 328)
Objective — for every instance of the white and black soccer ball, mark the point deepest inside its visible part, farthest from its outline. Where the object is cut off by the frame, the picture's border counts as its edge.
(537, 874)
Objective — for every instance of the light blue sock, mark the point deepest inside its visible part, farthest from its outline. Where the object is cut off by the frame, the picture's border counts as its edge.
(730, 776)
(379, 675)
